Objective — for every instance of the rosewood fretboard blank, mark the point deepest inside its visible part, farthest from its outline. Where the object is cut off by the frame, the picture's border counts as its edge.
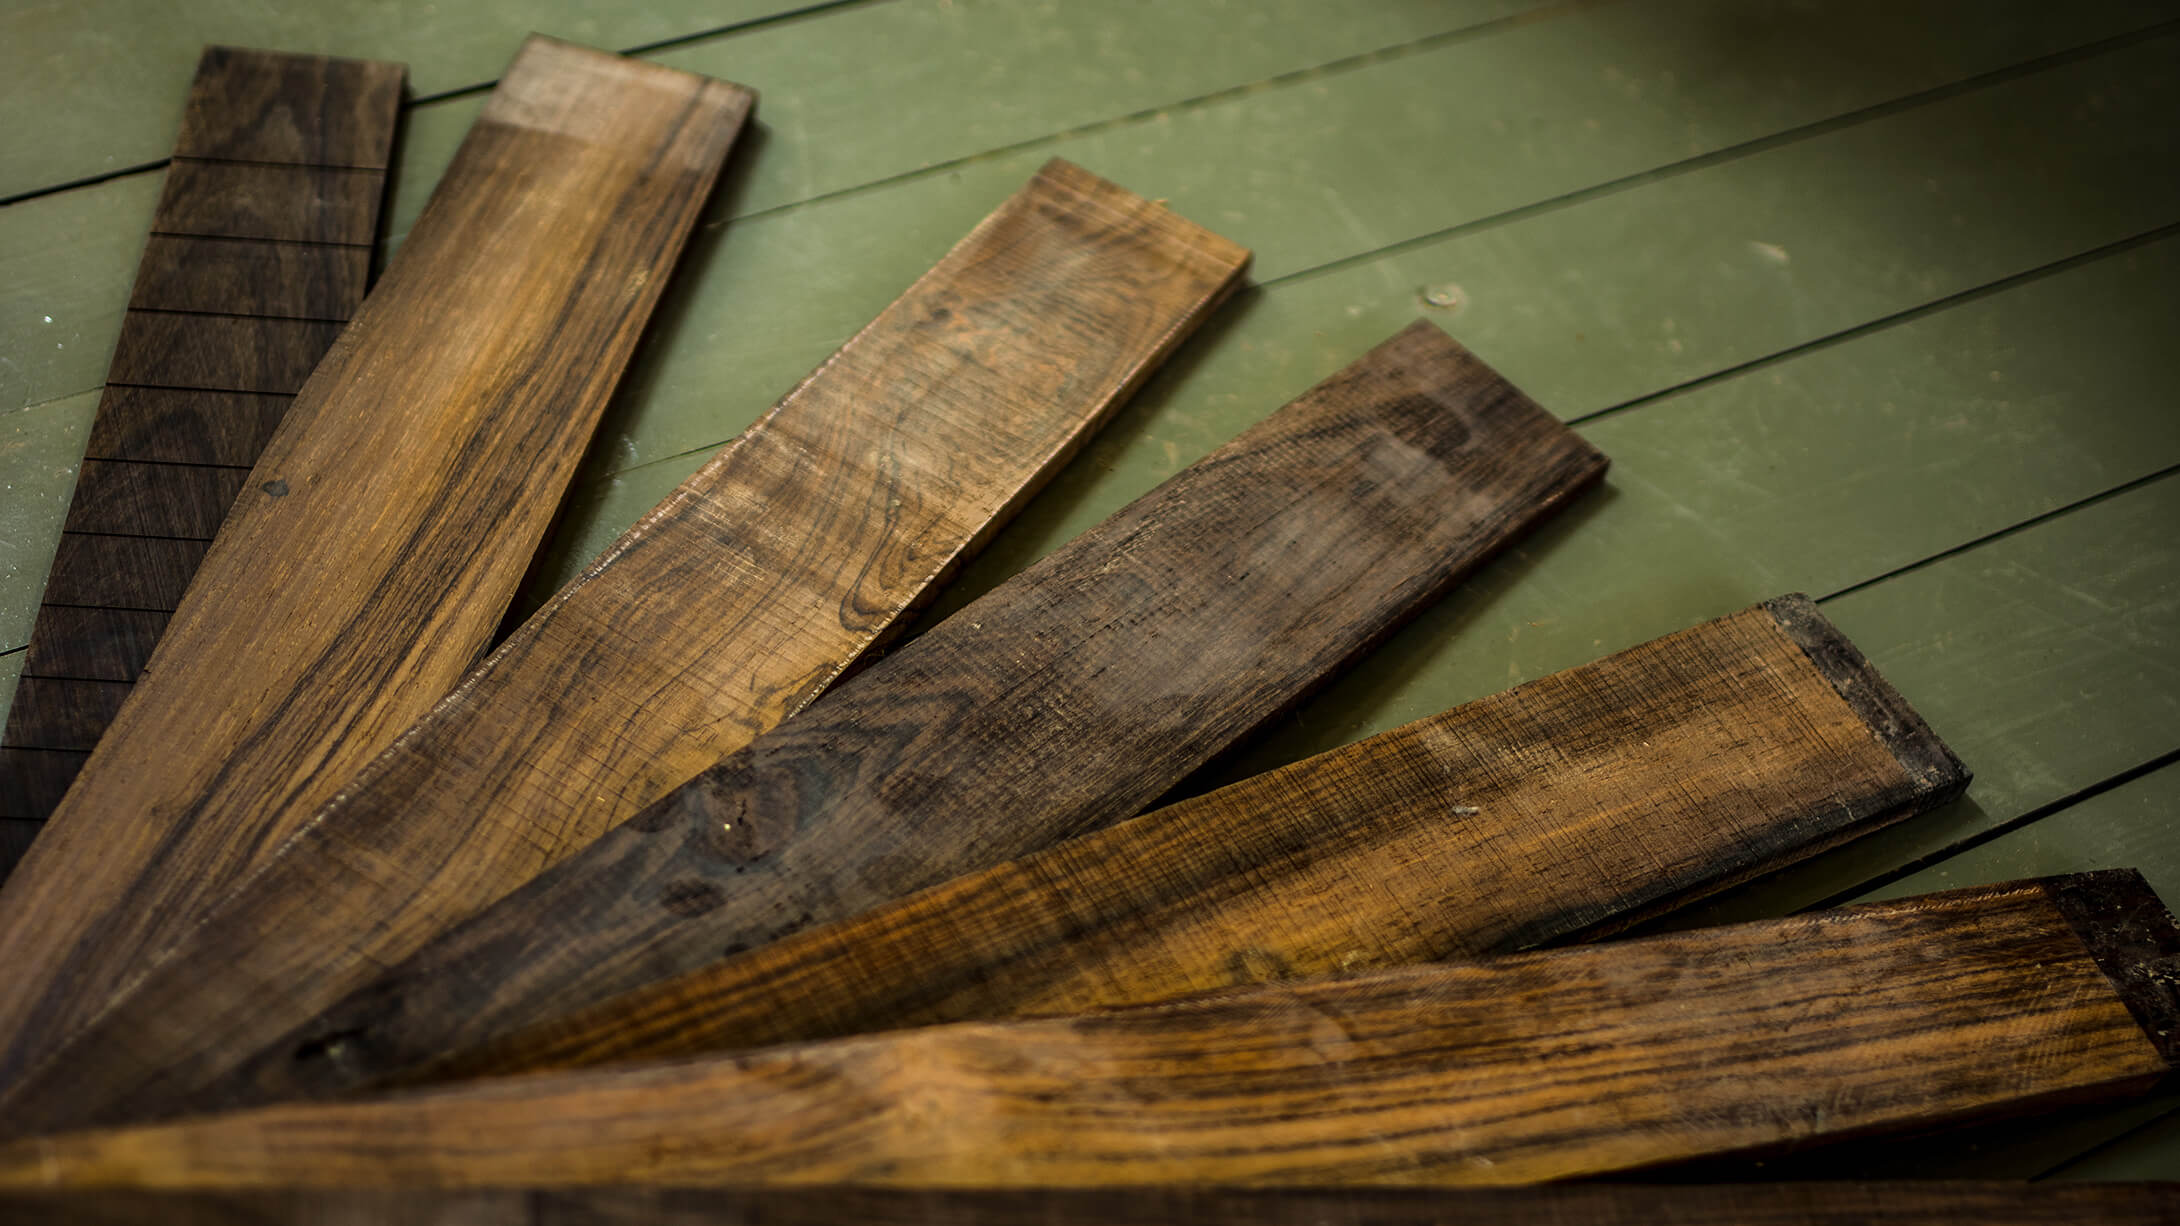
(1907, 1014)
(233, 306)
(1562, 809)
(392, 514)
(1064, 700)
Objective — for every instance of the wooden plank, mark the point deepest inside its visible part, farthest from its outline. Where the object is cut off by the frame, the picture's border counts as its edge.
(387, 522)
(1066, 700)
(1561, 810)
(1915, 1202)
(306, 110)
(1535, 1067)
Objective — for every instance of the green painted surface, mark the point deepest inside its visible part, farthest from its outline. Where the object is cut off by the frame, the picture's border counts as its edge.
(102, 81)
(1841, 288)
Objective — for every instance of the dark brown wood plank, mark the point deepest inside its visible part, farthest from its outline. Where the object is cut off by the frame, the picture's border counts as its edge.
(16, 832)
(293, 204)
(95, 644)
(1910, 1014)
(1563, 809)
(58, 713)
(1064, 700)
(241, 276)
(303, 109)
(388, 522)
(1914, 1203)
(263, 106)
(228, 353)
(121, 572)
(31, 783)
(132, 498)
(184, 427)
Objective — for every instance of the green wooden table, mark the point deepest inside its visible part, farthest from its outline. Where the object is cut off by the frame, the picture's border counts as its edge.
(1873, 300)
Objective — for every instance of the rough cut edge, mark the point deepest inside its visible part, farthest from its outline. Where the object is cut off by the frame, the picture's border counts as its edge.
(1926, 759)
(2135, 942)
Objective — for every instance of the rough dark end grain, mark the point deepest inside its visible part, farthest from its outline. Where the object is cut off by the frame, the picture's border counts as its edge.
(1901, 1203)
(1068, 698)
(1926, 759)
(423, 458)
(219, 334)
(1578, 1063)
(2136, 942)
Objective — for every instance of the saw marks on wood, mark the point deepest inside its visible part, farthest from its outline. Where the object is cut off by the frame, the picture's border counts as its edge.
(1062, 701)
(386, 525)
(1907, 1014)
(228, 317)
(1562, 809)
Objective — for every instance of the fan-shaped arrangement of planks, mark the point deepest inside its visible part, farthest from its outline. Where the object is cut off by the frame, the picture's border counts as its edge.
(748, 903)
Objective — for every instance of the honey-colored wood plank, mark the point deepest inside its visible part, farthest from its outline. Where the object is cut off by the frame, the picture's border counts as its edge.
(1909, 1202)
(250, 277)
(173, 426)
(1563, 809)
(387, 522)
(1066, 700)
(1567, 1064)
(131, 498)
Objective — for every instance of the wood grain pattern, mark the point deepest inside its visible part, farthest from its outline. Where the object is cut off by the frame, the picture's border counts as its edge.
(1064, 700)
(1912, 1202)
(1907, 1014)
(1561, 810)
(165, 459)
(387, 523)
(770, 571)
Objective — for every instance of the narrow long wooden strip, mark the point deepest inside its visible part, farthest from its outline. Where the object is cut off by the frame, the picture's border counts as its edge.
(386, 524)
(264, 313)
(1062, 701)
(1563, 809)
(1839, 1203)
(1906, 1014)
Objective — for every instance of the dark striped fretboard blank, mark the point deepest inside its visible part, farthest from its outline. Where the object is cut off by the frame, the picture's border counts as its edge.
(260, 250)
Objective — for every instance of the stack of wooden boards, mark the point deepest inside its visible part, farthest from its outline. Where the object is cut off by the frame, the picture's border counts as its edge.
(755, 905)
